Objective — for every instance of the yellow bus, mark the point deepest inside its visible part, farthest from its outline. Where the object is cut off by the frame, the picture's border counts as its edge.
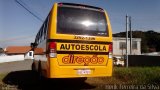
(74, 41)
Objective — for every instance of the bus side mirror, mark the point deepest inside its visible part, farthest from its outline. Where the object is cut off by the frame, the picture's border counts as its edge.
(33, 45)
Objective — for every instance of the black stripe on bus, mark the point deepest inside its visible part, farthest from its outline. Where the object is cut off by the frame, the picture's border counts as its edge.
(81, 52)
(78, 41)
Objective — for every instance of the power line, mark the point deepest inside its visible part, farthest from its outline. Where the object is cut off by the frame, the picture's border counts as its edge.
(28, 10)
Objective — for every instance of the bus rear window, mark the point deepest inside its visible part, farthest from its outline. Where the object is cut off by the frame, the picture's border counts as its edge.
(81, 21)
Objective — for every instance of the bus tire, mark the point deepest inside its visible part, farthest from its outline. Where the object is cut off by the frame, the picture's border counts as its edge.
(39, 70)
(82, 79)
(33, 67)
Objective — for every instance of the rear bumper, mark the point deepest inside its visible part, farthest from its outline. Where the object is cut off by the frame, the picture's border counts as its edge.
(56, 71)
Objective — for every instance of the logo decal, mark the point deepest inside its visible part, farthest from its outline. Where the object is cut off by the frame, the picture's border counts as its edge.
(86, 60)
(84, 47)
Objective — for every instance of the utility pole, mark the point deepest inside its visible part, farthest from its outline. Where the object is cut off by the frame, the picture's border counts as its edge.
(130, 35)
(127, 41)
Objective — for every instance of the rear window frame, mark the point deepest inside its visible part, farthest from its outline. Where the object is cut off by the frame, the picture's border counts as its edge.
(87, 8)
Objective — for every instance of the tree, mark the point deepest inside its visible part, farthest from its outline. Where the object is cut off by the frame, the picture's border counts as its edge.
(1, 50)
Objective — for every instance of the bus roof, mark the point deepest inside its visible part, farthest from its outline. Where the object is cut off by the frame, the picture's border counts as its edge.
(83, 5)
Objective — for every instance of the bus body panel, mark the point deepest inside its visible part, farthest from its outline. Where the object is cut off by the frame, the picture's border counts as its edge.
(91, 59)
(57, 71)
(54, 35)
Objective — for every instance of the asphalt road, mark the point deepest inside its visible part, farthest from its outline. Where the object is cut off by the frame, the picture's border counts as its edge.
(15, 66)
(20, 76)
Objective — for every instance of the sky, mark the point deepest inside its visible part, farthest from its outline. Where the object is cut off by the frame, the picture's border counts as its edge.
(18, 27)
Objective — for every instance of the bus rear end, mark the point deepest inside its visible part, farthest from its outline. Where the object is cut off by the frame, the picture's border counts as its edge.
(80, 42)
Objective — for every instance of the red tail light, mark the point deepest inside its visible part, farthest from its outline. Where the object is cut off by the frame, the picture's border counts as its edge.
(52, 49)
(52, 45)
(110, 50)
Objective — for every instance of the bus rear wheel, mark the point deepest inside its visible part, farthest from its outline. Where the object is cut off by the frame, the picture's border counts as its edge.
(82, 79)
(33, 67)
(40, 71)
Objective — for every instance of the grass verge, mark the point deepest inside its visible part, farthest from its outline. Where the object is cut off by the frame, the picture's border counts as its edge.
(131, 75)
(2, 75)
(121, 76)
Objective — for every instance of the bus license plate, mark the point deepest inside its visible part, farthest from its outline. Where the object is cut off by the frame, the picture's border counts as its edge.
(84, 72)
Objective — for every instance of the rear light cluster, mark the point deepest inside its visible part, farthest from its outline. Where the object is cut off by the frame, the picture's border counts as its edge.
(52, 49)
(110, 50)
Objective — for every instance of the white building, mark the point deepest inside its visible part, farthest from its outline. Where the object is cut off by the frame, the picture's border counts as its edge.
(16, 53)
(119, 46)
(25, 51)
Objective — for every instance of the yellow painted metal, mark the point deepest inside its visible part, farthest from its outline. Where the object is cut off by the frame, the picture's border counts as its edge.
(58, 69)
